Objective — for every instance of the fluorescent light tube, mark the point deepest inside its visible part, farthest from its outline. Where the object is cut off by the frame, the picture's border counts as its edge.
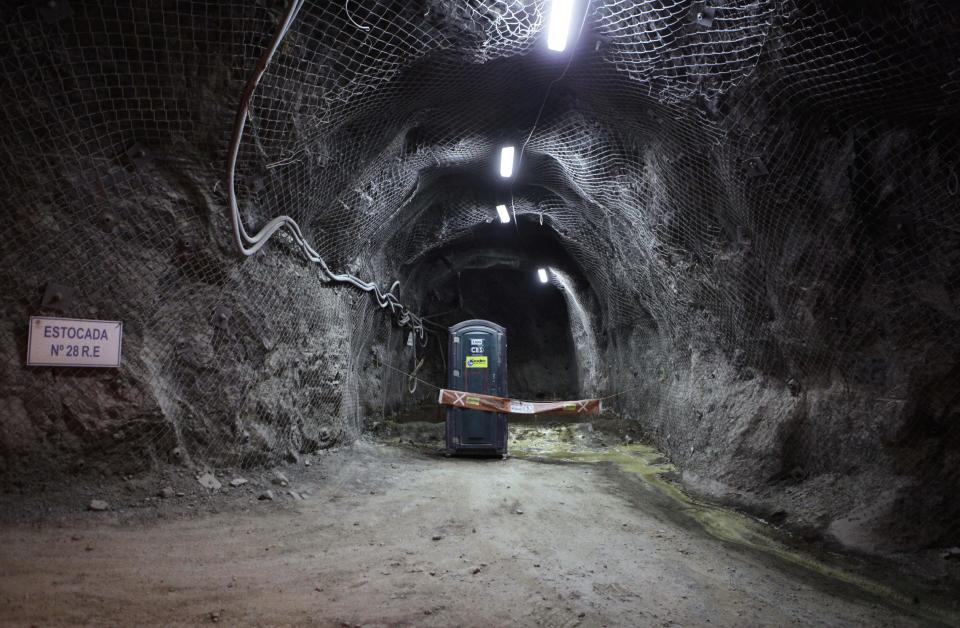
(542, 274)
(502, 212)
(506, 162)
(561, 15)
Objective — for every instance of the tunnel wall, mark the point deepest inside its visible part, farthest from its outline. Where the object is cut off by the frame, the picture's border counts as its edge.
(761, 212)
(822, 390)
(144, 239)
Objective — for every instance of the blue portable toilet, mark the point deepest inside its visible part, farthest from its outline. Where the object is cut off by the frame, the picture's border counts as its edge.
(478, 364)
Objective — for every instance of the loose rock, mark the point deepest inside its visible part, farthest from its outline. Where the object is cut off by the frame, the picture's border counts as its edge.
(266, 496)
(98, 505)
(167, 492)
(207, 480)
(235, 482)
(279, 479)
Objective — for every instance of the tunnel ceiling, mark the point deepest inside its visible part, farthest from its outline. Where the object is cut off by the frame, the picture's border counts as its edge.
(670, 137)
(686, 164)
(751, 206)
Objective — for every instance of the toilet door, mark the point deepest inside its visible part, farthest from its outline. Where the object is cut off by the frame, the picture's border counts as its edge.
(479, 361)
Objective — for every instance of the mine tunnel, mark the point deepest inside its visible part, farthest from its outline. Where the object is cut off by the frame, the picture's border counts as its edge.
(722, 240)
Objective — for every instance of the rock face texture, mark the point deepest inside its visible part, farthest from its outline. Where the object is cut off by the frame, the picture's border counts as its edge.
(753, 209)
(141, 239)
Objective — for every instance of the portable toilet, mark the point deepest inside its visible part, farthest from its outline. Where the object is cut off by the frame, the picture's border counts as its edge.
(477, 364)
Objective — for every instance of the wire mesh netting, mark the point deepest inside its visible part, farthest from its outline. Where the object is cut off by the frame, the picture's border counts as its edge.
(759, 198)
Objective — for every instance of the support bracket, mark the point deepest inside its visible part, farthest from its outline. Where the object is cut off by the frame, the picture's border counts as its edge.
(221, 317)
(703, 14)
(756, 167)
(57, 297)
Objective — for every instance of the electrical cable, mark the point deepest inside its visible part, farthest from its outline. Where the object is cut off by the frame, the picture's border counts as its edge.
(621, 393)
(403, 372)
(436, 326)
(346, 8)
(443, 358)
(249, 245)
(412, 378)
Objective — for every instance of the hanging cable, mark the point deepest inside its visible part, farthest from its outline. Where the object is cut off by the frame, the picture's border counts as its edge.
(346, 8)
(408, 374)
(249, 244)
(412, 378)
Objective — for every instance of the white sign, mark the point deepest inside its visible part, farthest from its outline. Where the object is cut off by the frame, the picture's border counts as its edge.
(73, 342)
(521, 407)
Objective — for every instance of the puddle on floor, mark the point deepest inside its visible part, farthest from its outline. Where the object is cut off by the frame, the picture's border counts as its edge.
(579, 443)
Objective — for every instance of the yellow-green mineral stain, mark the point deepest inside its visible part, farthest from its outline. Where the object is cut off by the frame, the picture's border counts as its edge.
(570, 444)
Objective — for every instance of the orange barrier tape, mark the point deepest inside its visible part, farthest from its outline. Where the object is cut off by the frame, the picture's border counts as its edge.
(489, 403)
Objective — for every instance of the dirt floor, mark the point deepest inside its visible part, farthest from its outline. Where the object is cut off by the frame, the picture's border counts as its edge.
(572, 530)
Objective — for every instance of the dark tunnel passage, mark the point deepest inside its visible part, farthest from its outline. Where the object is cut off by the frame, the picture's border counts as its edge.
(542, 357)
(490, 272)
(722, 237)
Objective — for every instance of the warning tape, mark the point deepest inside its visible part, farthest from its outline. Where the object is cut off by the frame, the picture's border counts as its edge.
(491, 403)
(519, 407)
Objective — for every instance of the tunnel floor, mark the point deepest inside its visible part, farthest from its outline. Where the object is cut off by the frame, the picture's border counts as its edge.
(572, 530)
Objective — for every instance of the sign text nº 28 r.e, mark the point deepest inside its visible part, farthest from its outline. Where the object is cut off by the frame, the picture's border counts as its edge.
(74, 342)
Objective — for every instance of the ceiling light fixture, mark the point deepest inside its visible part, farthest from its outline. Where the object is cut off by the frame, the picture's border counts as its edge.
(561, 15)
(506, 162)
(542, 274)
(504, 215)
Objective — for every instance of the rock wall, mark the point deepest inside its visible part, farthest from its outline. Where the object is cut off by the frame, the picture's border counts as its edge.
(832, 405)
(115, 150)
(279, 375)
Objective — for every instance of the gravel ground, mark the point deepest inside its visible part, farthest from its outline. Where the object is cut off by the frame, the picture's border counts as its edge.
(384, 535)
